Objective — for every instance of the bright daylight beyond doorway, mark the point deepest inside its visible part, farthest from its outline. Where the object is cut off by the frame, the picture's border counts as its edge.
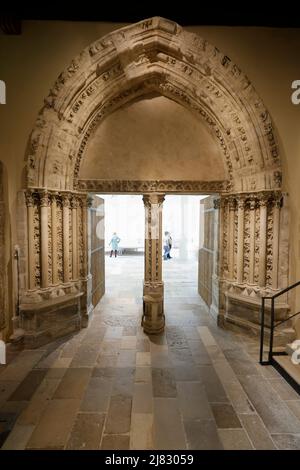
(124, 232)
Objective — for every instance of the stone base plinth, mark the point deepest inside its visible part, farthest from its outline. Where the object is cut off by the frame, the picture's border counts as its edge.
(45, 321)
(243, 314)
(153, 321)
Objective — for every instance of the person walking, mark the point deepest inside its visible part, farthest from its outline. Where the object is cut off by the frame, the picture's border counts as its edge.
(114, 242)
(167, 245)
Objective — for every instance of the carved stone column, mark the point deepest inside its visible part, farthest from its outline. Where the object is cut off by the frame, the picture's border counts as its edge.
(232, 204)
(240, 240)
(276, 227)
(252, 207)
(54, 239)
(153, 320)
(66, 234)
(44, 204)
(263, 203)
(30, 225)
(74, 205)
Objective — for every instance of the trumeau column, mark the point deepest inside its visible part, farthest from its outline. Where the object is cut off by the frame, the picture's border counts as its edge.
(263, 203)
(74, 205)
(44, 204)
(66, 215)
(54, 239)
(240, 240)
(30, 227)
(252, 207)
(276, 226)
(232, 205)
(153, 317)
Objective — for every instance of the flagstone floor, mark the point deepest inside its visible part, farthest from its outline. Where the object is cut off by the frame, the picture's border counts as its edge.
(112, 387)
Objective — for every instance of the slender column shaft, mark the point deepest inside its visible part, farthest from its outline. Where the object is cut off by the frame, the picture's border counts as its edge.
(240, 240)
(44, 202)
(153, 318)
(66, 234)
(276, 225)
(54, 240)
(231, 239)
(263, 242)
(31, 252)
(74, 239)
(252, 241)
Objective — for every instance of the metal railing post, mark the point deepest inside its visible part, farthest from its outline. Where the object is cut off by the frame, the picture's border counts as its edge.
(272, 328)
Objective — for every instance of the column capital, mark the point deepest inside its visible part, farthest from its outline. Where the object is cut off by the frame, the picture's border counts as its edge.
(30, 196)
(74, 202)
(44, 198)
(217, 203)
(241, 202)
(154, 198)
(252, 203)
(65, 198)
(232, 203)
(263, 200)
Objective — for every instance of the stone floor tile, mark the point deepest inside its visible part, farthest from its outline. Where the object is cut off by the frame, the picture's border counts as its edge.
(294, 406)
(21, 365)
(7, 387)
(163, 383)
(128, 342)
(115, 442)
(110, 347)
(167, 417)
(287, 441)
(97, 395)
(73, 383)
(55, 425)
(28, 386)
(142, 398)
(41, 398)
(275, 414)
(238, 397)
(160, 359)
(143, 374)
(213, 387)
(192, 401)
(107, 361)
(143, 344)
(257, 432)
(141, 432)
(87, 432)
(202, 434)
(143, 359)
(234, 439)
(225, 416)
(119, 415)
(18, 438)
(126, 358)
(284, 390)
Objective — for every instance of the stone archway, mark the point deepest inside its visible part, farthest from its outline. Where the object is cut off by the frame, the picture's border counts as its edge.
(152, 56)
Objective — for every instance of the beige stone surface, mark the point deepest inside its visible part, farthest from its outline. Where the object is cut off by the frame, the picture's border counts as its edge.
(55, 425)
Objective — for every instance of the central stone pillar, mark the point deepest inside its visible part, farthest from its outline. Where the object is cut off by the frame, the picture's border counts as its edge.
(153, 321)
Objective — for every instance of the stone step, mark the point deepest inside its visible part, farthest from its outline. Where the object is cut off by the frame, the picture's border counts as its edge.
(292, 369)
(17, 336)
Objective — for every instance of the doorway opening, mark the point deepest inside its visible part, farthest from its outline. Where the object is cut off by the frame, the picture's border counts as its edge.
(121, 237)
(188, 269)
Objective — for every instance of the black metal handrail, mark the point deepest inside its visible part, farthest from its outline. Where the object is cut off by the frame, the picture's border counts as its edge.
(272, 322)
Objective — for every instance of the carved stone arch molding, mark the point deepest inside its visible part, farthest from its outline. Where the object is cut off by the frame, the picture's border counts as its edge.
(155, 55)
